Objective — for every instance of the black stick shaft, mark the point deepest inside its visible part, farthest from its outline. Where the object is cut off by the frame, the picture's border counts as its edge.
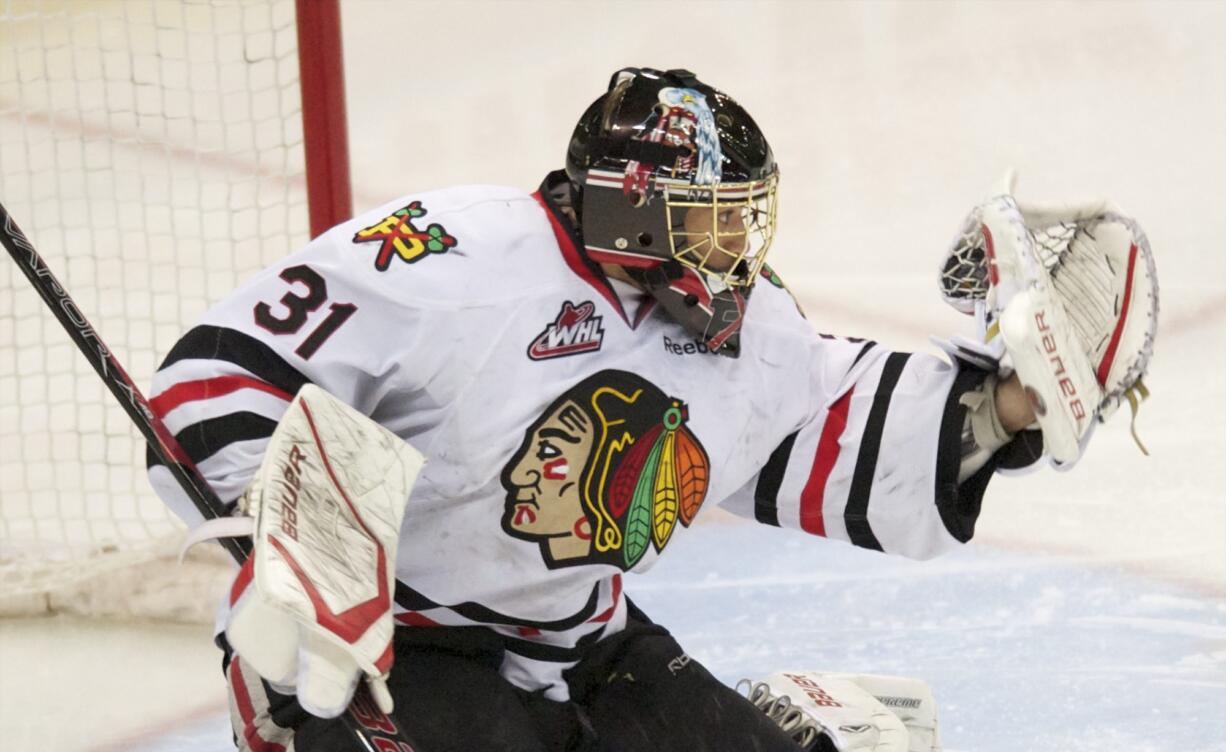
(375, 731)
(115, 378)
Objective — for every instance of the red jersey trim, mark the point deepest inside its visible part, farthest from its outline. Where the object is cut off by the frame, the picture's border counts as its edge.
(202, 389)
(414, 619)
(617, 594)
(811, 515)
(578, 265)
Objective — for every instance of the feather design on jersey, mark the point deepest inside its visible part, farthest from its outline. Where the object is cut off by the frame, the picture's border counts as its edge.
(693, 475)
(664, 513)
(621, 490)
(670, 484)
(638, 519)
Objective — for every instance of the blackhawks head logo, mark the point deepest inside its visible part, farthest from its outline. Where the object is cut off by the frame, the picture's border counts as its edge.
(398, 236)
(606, 472)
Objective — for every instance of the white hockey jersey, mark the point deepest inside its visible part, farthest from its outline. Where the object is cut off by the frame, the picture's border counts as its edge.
(566, 443)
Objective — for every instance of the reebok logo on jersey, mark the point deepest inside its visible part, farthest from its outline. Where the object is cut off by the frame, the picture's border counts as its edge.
(685, 348)
(397, 235)
(574, 331)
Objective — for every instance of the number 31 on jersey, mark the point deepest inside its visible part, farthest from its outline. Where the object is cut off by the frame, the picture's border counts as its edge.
(299, 307)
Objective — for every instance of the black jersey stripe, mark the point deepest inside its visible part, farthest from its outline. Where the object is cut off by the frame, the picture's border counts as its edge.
(412, 600)
(540, 651)
(855, 514)
(766, 493)
(864, 351)
(204, 439)
(221, 343)
(959, 505)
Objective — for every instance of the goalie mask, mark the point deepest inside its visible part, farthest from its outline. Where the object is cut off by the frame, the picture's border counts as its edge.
(679, 188)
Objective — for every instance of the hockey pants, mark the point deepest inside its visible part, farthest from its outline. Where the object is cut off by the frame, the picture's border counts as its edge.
(633, 692)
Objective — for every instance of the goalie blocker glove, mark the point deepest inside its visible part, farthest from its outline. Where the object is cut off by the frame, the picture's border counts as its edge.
(311, 609)
(1067, 297)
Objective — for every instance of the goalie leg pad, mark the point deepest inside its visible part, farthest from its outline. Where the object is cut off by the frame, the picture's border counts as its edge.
(252, 716)
(846, 715)
(850, 712)
(908, 698)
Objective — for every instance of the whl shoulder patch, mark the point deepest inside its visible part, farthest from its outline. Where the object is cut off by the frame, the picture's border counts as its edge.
(575, 330)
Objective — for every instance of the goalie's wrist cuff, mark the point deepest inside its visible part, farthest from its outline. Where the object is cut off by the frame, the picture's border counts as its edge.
(982, 431)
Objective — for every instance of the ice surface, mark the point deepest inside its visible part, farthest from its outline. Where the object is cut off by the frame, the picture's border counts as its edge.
(1023, 651)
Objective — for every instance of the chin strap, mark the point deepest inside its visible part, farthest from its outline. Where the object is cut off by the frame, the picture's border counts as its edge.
(712, 313)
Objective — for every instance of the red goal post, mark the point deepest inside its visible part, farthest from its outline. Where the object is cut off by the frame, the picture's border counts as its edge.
(157, 154)
(324, 125)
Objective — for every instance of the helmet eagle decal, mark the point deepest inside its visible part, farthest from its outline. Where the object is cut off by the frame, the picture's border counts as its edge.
(685, 121)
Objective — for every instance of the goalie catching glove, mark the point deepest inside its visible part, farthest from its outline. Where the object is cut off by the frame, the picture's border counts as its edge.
(1066, 296)
(311, 609)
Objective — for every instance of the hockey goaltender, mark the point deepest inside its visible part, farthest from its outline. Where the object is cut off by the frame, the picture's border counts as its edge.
(454, 423)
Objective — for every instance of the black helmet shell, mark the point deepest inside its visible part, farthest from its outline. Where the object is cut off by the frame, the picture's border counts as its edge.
(605, 131)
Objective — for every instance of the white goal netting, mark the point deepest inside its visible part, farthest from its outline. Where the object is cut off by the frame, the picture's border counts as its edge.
(152, 152)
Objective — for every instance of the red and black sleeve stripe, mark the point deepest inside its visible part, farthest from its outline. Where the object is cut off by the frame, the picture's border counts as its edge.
(230, 345)
(273, 374)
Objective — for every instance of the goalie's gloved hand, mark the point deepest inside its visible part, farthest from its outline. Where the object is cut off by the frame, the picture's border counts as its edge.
(1066, 296)
(311, 609)
(300, 658)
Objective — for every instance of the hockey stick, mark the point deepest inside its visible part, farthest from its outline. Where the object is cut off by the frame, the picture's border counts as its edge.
(375, 730)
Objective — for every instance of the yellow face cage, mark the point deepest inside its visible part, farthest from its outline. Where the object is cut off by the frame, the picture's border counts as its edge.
(723, 230)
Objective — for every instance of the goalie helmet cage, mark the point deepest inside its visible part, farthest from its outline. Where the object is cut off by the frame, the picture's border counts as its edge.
(157, 154)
